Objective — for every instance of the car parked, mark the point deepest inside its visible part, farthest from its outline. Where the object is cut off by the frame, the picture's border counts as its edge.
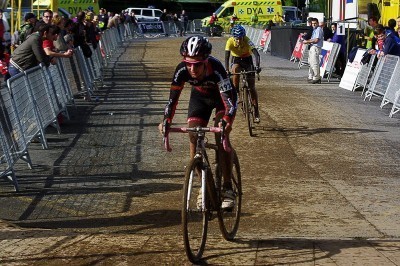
(145, 14)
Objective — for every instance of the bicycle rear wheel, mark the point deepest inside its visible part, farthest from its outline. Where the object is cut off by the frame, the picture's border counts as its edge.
(229, 219)
(248, 110)
(194, 218)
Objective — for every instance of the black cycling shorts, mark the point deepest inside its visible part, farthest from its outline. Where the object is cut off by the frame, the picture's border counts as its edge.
(202, 104)
(245, 63)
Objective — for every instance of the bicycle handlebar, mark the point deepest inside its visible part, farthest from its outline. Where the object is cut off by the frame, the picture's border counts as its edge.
(197, 130)
(245, 72)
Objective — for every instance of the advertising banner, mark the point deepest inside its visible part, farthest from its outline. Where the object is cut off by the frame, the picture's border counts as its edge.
(266, 37)
(156, 27)
(326, 52)
(299, 48)
(351, 71)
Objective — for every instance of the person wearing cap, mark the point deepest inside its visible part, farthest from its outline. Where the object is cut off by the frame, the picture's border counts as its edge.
(27, 28)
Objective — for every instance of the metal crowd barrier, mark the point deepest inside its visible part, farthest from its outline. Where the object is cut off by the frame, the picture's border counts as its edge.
(364, 75)
(394, 92)
(12, 140)
(384, 82)
(382, 76)
(35, 98)
(255, 35)
(330, 64)
(304, 57)
(26, 108)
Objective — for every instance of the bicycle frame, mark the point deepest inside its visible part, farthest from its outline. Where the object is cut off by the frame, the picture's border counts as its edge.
(246, 98)
(201, 152)
(206, 173)
(199, 177)
(244, 79)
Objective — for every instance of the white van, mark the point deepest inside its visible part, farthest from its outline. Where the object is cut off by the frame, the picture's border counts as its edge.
(145, 14)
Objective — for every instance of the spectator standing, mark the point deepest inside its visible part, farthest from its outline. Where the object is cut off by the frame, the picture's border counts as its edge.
(59, 43)
(389, 46)
(278, 18)
(307, 35)
(30, 53)
(27, 28)
(134, 21)
(103, 19)
(48, 44)
(113, 21)
(164, 19)
(95, 22)
(233, 20)
(369, 32)
(316, 41)
(340, 61)
(90, 30)
(327, 32)
(184, 22)
(69, 37)
(213, 19)
(270, 25)
(391, 27)
(176, 21)
(80, 31)
(254, 19)
(47, 18)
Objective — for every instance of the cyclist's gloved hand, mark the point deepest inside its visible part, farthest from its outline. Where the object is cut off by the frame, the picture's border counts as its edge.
(226, 125)
(164, 126)
(258, 69)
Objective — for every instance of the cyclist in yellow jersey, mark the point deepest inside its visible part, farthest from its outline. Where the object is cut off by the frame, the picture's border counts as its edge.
(242, 48)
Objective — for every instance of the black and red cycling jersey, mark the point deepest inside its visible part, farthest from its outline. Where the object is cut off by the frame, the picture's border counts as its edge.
(216, 84)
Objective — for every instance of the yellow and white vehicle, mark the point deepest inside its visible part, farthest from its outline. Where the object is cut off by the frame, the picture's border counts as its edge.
(387, 9)
(244, 10)
(71, 6)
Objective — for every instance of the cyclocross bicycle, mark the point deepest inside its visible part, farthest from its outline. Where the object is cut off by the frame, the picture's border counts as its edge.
(246, 99)
(203, 193)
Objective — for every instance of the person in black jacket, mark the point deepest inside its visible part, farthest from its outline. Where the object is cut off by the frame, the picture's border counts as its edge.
(103, 19)
(328, 34)
(164, 19)
(46, 19)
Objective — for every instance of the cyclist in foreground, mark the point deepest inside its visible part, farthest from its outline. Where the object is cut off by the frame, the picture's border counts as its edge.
(211, 89)
(241, 48)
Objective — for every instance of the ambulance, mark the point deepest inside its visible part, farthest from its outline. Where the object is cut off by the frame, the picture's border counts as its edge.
(70, 6)
(244, 10)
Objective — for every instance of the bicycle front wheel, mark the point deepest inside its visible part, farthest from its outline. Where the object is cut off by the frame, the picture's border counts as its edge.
(229, 219)
(248, 110)
(194, 217)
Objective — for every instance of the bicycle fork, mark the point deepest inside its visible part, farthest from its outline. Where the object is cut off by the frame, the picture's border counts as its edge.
(208, 193)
